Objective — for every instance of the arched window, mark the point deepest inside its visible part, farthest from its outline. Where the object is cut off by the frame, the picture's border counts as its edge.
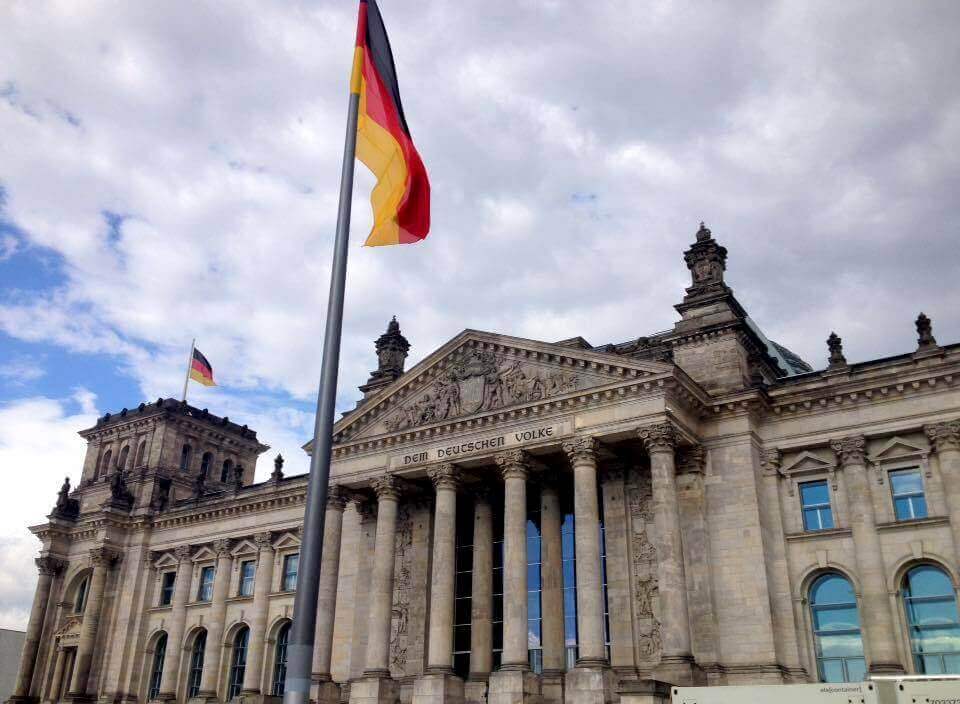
(836, 630)
(931, 606)
(81, 601)
(124, 453)
(280, 660)
(156, 670)
(105, 463)
(185, 455)
(141, 453)
(205, 463)
(238, 665)
(196, 664)
(225, 471)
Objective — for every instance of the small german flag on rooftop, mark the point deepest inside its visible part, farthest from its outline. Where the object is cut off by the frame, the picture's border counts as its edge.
(200, 369)
(401, 198)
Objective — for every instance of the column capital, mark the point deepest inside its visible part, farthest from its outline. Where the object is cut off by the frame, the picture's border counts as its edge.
(770, 460)
(263, 540)
(850, 450)
(336, 497)
(103, 556)
(513, 464)
(944, 436)
(444, 476)
(183, 552)
(582, 449)
(222, 547)
(660, 437)
(49, 566)
(692, 460)
(386, 487)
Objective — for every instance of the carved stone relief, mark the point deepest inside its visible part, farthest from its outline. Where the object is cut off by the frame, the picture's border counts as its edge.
(402, 586)
(477, 381)
(643, 564)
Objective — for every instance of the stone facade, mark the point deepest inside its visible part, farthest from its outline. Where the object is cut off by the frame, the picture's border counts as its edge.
(520, 521)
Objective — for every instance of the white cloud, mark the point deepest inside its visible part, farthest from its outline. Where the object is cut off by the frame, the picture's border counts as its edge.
(8, 246)
(21, 370)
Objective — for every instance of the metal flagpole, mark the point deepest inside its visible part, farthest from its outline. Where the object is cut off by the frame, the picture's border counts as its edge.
(186, 381)
(300, 645)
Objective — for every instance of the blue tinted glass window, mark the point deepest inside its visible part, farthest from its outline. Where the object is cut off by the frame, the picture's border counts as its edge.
(205, 590)
(908, 499)
(166, 588)
(836, 630)
(930, 603)
(815, 501)
(248, 571)
(291, 564)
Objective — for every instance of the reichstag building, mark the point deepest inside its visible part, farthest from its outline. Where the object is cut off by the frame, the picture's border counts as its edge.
(513, 521)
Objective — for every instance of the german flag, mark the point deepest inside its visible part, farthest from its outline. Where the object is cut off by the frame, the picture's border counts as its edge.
(401, 198)
(200, 369)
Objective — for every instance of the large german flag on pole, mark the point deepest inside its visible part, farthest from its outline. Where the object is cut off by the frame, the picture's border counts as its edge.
(401, 198)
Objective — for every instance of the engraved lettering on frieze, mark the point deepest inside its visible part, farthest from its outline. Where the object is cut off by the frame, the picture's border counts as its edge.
(643, 564)
(402, 585)
(480, 381)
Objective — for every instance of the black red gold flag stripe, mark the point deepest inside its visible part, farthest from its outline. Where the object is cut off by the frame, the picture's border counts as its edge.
(200, 369)
(401, 198)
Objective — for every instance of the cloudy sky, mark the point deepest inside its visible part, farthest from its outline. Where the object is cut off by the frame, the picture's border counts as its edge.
(170, 170)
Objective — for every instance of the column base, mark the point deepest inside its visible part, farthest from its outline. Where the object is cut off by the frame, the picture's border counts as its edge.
(886, 668)
(644, 692)
(22, 700)
(78, 698)
(590, 684)
(475, 689)
(325, 692)
(514, 687)
(252, 696)
(551, 685)
(679, 670)
(438, 688)
(374, 689)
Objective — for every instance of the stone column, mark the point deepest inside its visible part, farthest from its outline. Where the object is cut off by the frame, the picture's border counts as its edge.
(439, 685)
(376, 686)
(262, 584)
(620, 601)
(218, 615)
(48, 567)
(880, 641)
(945, 440)
(513, 683)
(551, 578)
(178, 621)
(102, 559)
(327, 690)
(675, 660)
(56, 683)
(481, 603)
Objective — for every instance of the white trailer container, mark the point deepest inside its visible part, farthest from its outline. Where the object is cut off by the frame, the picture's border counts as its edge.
(887, 690)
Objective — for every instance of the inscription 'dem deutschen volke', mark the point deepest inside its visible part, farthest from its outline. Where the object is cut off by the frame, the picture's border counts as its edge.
(489, 444)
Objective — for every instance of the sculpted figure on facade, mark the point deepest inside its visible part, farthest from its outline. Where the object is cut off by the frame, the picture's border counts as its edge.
(402, 584)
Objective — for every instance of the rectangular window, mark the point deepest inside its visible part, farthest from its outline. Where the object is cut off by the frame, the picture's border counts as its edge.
(248, 570)
(205, 590)
(166, 588)
(463, 590)
(290, 565)
(815, 500)
(908, 499)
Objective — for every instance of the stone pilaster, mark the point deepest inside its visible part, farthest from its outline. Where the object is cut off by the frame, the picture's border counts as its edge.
(218, 615)
(178, 620)
(618, 569)
(327, 594)
(439, 685)
(102, 560)
(49, 568)
(877, 620)
(481, 630)
(262, 583)
(551, 578)
(945, 440)
(56, 683)
(513, 683)
(660, 443)
(376, 685)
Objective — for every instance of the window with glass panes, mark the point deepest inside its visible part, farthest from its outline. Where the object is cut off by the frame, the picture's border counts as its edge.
(463, 589)
(291, 564)
(568, 554)
(81, 600)
(497, 619)
(167, 580)
(815, 500)
(603, 586)
(196, 664)
(534, 583)
(205, 587)
(280, 660)
(156, 670)
(238, 663)
(908, 499)
(931, 606)
(248, 571)
(836, 630)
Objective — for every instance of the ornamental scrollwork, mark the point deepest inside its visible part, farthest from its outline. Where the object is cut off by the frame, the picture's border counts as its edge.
(513, 464)
(660, 437)
(850, 450)
(944, 436)
(444, 476)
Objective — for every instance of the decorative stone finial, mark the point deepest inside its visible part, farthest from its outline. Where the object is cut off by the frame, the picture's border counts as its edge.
(706, 261)
(277, 473)
(392, 348)
(835, 345)
(925, 338)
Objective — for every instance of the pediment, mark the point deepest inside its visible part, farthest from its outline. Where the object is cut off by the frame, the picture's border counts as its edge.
(479, 373)
(897, 448)
(243, 547)
(204, 554)
(286, 540)
(164, 560)
(807, 463)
